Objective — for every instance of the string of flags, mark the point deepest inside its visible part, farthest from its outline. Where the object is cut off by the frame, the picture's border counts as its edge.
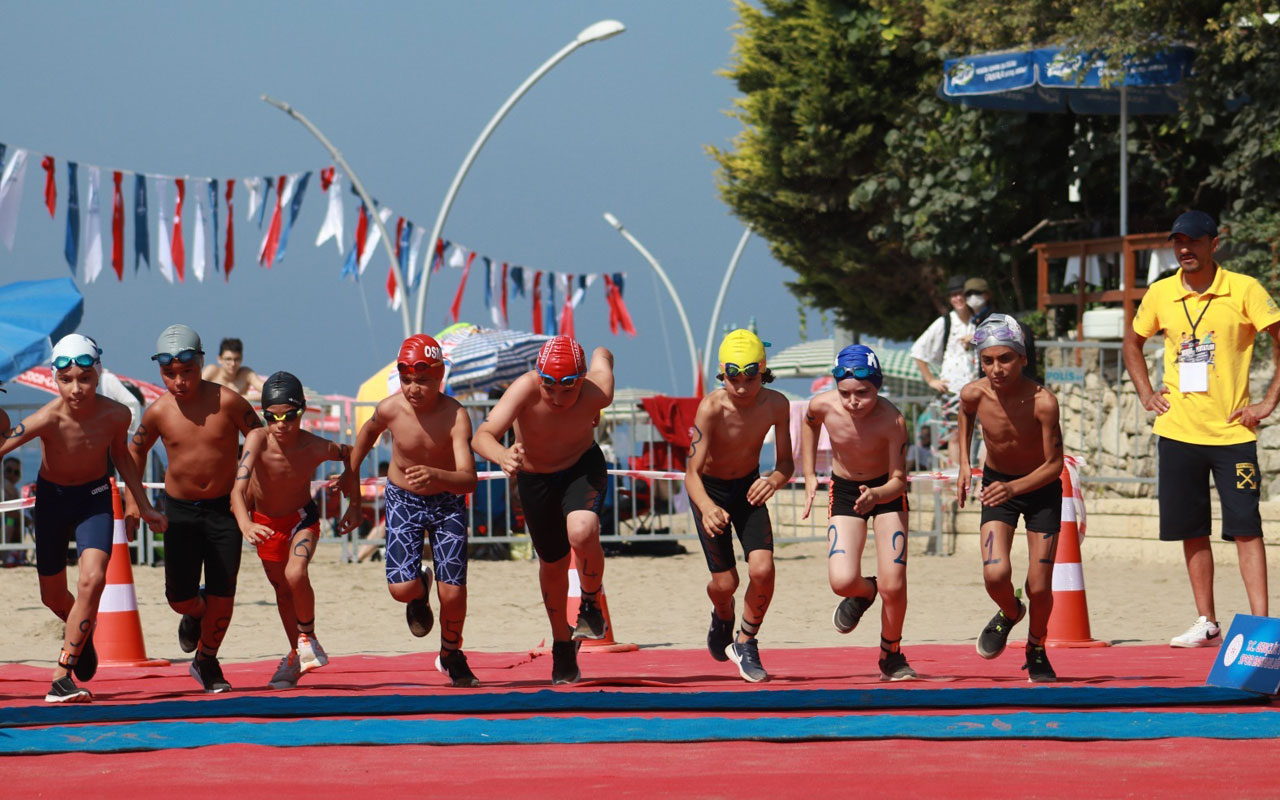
(194, 217)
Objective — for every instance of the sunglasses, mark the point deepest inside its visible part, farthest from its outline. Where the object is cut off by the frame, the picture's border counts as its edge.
(861, 373)
(184, 357)
(750, 370)
(999, 334)
(291, 414)
(84, 360)
(567, 380)
(417, 366)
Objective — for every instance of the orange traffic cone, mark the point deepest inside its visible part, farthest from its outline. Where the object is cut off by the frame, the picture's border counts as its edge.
(1069, 620)
(605, 645)
(118, 635)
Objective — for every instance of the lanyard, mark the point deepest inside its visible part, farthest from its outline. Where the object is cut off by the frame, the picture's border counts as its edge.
(1196, 324)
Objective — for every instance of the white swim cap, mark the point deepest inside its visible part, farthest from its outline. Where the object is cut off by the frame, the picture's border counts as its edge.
(73, 349)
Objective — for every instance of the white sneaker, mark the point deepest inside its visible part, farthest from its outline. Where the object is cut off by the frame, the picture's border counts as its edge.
(310, 654)
(1202, 634)
(287, 674)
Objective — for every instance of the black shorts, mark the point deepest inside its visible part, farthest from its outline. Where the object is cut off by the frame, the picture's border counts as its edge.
(201, 534)
(844, 492)
(63, 513)
(549, 497)
(752, 523)
(1042, 508)
(1183, 488)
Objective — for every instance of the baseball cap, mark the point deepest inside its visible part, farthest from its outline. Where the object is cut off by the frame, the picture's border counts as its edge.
(976, 285)
(1195, 224)
(176, 339)
(955, 284)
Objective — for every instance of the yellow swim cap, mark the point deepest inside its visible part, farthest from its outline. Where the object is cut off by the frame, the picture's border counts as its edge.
(742, 347)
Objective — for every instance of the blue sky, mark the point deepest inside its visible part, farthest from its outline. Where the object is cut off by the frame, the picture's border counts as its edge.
(402, 89)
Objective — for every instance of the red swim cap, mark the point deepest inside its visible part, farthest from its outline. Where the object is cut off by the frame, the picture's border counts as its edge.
(420, 353)
(560, 357)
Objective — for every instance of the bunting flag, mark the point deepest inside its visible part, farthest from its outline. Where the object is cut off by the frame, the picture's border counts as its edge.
(403, 232)
(266, 194)
(11, 195)
(230, 259)
(164, 254)
(618, 314)
(517, 280)
(438, 261)
(92, 229)
(213, 207)
(71, 249)
(537, 302)
(197, 241)
(141, 236)
(374, 239)
(349, 267)
(254, 187)
(331, 184)
(506, 320)
(179, 251)
(50, 186)
(458, 258)
(551, 304)
(393, 294)
(419, 234)
(566, 313)
(456, 308)
(271, 241)
(296, 190)
(117, 224)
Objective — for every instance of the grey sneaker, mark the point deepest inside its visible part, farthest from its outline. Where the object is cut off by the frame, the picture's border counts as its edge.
(454, 665)
(64, 690)
(418, 611)
(287, 673)
(591, 624)
(564, 662)
(994, 637)
(894, 667)
(747, 656)
(208, 673)
(719, 637)
(849, 613)
(1037, 666)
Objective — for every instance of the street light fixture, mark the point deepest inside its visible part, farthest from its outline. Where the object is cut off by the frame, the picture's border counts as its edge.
(724, 289)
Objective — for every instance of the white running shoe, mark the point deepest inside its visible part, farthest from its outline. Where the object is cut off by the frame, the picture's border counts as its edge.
(1202, 634)
(287, 673)
(310, 654)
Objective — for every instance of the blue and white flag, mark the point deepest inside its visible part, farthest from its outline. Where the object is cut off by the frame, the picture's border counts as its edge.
(71, 249)
(297, 187)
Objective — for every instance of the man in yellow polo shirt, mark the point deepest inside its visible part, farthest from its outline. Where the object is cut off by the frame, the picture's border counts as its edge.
(1205, 423)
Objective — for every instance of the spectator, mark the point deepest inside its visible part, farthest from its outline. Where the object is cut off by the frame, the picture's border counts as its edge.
(920, 454)
(375, 529)
(14, 521)
(946, 343)
(1204, 421)
(977, 296)
(231, 372)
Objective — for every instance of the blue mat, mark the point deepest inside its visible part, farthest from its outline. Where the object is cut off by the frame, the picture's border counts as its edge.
(547, 701)
(1101, 725)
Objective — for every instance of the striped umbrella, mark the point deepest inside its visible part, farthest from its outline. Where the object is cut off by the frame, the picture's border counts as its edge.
(481, 358)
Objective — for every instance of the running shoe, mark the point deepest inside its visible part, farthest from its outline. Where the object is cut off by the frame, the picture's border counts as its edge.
(1202, 634)
(418, 611)
(894, 667)
(994, 637)
(849, 612)
(87, 666)
(189, 631)
(453, 663)
(287, 674)
(747, 656)
(1037, 666)
(310, 654)
(564, 662)
(719, 637)
(208, 673)
(591, 624)
(64, 690)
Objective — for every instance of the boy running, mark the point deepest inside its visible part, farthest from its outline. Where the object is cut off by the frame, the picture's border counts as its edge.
(725, 488)
(1020, 478)
(78, 432)
(276, 513)
(200, 424)
(431, 472)
(561, 475)
(868, 481)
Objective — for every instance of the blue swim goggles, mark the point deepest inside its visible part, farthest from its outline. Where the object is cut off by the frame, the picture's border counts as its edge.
(1000, 334)
(749, 370)
(84, 360)
(862, 373)
(567, 380)
(183, 357)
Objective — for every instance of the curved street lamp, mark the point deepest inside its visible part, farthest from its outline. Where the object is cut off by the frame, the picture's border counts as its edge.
(600, 31)
(724, 289)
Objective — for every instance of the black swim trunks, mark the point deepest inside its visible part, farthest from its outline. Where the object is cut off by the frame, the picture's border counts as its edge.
(549, 497)
(844, 493)
(201, 534)
(752, 523)
(1183, 488)
(1042, 508)
(63, 512)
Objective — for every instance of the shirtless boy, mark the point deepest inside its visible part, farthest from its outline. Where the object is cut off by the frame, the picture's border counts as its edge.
(230, 370)
(276, 513)
(726, 489)
(561, 475)
(868, 481)
(77, 432)
(431, 472)
(200, 424)
(1020, 478)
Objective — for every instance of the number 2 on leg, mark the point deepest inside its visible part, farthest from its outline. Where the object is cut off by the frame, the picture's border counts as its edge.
(899, 557)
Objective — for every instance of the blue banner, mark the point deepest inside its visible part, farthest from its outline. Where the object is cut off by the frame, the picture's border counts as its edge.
(488, 282)
(141, 240)
(517, 279)
(213, 205)
(71, 249)
(1249, 657)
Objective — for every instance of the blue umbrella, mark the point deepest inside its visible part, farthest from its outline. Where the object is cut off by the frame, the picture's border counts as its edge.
(1048, 79)
(481, 359)
(35, 312)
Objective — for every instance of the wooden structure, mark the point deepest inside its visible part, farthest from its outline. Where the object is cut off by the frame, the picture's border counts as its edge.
(1129, 248)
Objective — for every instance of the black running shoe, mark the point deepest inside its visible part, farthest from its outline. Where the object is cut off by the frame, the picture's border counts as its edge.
(208, 673)
(747, 656)
(64, 690)
(564, 662)
(1038, 667)
(591, 624)
(418, 611)
(189, 630)
(453, 663)
(994, 637)
(894, 667)
(719, 637)
(849, 612)
(87, 666)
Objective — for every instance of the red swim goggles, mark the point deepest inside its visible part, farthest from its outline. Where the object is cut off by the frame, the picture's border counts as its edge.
(418, 366)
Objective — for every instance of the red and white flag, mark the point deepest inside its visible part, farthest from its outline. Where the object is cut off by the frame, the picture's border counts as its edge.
(374, 238)
(456, 307)
(271, 240)
(179, 249)
(331, 228)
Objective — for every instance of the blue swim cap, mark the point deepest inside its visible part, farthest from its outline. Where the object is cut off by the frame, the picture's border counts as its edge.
(858, 361)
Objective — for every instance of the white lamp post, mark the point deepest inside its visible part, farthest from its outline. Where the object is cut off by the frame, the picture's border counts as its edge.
(724, 289)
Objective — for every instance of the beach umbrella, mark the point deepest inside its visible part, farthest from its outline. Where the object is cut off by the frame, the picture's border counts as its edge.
(1050, 79)
(481, 359)
(33, 314)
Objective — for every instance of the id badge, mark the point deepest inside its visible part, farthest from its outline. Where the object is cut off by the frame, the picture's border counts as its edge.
(1193, 376)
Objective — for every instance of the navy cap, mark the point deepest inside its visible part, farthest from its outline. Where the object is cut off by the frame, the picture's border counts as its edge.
(955, 284)
(1195, 224)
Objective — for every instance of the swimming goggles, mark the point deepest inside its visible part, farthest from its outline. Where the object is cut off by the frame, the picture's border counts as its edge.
(83, 360)
(861, 373)
(567, 380)
(417, 366)
(749, 370)
(182, 357)
(1000, 334)
(291, 414)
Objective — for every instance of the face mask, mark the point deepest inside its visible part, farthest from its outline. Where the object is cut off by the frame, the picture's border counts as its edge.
(975, 302)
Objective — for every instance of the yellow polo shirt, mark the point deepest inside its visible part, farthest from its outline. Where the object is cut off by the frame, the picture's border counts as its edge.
(1234, 308)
